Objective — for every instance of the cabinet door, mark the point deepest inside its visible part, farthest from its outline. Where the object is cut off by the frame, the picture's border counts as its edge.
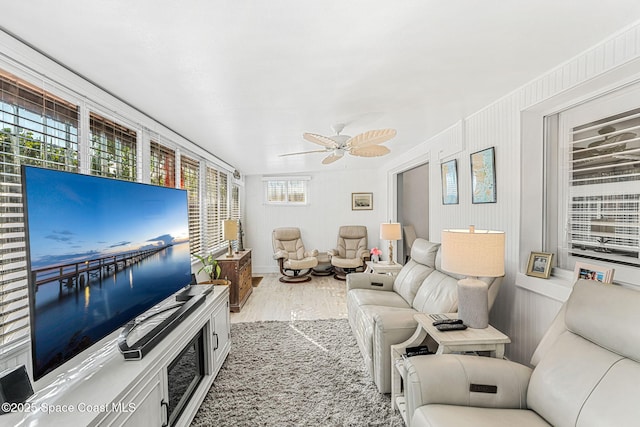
(140, 407)
(221, 336)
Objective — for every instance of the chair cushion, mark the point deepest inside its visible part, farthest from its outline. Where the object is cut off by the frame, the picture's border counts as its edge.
(288, 239)
(584, 316)
(346, 262)
(301, 264)
(464, 416)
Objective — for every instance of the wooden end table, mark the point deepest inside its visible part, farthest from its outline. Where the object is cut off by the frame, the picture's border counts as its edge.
(488, 340)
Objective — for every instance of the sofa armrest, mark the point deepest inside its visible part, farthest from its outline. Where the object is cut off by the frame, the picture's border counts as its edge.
(448, 379)
(313, 252)
(378, 282)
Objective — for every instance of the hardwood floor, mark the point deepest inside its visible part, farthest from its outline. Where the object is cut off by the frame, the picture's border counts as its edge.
(322, 298)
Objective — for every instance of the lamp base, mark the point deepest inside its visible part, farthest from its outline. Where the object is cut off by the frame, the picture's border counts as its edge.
(230, 251)
(473, 303)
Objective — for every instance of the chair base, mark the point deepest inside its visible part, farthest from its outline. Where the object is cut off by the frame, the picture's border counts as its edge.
(328, 271)
(295, 279)
(341, 273)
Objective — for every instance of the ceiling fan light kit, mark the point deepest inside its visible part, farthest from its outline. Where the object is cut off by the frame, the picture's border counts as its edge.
(366, 144)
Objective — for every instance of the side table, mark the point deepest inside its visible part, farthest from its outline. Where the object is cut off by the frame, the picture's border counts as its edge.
(489, 339)
(382, 268)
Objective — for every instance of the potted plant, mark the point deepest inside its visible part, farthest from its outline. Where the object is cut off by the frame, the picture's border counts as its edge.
(212, 268)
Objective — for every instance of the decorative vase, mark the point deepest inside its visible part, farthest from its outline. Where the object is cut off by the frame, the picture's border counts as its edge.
(375, 258)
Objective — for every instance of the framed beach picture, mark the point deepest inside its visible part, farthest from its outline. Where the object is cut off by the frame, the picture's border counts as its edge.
(483, 176)
(361, 201)
(449, 172)
(539, 265)
(593, 272)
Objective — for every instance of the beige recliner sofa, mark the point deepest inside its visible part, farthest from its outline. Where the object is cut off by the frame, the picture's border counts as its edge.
(587, 372)
(381, 308)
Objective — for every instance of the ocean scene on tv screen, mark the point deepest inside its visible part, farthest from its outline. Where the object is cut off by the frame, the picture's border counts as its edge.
(102, 251)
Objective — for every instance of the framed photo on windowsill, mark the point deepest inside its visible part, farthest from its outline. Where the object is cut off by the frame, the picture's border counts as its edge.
(539, 265)
(593, 272)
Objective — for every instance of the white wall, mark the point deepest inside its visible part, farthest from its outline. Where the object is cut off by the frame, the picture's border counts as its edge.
(329, 207)
(513, 125)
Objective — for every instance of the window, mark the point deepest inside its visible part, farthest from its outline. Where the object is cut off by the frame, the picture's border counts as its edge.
(235, 202)
(217, 208)
(190, 181)
(163, 165)
(598, 170)
(113, 149)
(286, 190)
(37, 129)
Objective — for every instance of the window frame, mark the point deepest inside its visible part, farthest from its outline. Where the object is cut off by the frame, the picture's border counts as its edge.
(559, 128)
(288, 180)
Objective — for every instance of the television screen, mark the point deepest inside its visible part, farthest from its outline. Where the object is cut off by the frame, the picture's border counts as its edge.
(100, 252)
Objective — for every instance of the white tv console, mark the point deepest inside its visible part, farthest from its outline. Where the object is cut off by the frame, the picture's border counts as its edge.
(104, 389)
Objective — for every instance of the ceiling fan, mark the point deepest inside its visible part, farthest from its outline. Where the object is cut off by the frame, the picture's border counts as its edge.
(366, 144)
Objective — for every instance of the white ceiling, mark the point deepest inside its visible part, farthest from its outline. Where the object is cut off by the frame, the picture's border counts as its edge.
(245, 78)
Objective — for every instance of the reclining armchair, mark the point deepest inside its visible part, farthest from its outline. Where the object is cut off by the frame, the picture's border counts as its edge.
(294, 261)
(351, 251)
(586, 372)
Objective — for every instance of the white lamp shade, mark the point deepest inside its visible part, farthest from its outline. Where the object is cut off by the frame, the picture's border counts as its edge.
(229, 229)
(390, 231)
(474, 253)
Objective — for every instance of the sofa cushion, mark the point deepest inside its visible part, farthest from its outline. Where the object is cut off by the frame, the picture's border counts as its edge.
(424, 252)
(374, 297)
(438, 293)
(410, 279)
(464, 416)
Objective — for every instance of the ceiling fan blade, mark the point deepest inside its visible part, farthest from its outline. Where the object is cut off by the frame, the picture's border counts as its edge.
(302, 152)
(320, 140)
(371, 137)
(330, 159)
(370, 151)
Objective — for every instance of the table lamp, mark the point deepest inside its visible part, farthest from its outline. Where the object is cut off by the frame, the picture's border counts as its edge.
(473, 253)
(229, 232)
(390, 231)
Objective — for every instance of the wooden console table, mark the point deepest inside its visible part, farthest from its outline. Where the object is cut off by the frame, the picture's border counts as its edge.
(237, 269)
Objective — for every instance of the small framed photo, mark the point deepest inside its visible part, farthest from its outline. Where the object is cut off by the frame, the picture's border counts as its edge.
(593, 272)
(449, 172)
(483, 176)
(539, 265)
(361, 201)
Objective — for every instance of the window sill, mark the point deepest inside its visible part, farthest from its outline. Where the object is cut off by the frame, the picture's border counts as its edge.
(558, 287)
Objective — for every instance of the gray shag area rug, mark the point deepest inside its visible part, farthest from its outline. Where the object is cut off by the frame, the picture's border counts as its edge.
(302, 373)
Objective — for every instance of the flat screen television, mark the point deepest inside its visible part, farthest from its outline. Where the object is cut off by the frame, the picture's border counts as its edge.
(100, 252)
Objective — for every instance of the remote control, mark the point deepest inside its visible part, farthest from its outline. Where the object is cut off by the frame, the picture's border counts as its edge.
(447, 322)
(451, 327)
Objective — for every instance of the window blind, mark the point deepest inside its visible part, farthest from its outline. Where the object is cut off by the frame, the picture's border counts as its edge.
(216, 208)
(37, 129)
(604, 189)
(190, 181)
(163, 165)
(112, 150)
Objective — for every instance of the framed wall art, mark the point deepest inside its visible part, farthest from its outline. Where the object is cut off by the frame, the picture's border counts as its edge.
(483, 176)
(539, 265)
(449, 172)
(361, 201)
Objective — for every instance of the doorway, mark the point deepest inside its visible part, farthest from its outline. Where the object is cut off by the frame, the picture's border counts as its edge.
(413, 205)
